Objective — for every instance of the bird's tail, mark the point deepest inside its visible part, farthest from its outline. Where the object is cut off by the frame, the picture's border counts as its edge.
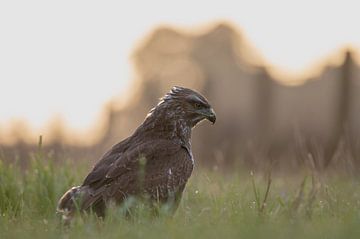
(80, 198)
(69, 203)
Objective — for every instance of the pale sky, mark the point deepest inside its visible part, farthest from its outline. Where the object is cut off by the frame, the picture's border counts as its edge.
(70, 57)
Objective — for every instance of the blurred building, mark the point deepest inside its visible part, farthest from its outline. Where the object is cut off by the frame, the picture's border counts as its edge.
(259, 119)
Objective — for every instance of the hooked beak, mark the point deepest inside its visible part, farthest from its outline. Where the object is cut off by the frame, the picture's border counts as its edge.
(210, 115)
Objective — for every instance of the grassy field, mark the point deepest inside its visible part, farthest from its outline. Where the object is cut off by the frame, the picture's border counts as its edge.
(236, 205)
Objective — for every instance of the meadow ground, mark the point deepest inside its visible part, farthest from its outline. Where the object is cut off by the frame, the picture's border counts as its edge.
(214, 205)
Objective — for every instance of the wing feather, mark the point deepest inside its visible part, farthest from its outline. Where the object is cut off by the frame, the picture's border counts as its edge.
(120, 173)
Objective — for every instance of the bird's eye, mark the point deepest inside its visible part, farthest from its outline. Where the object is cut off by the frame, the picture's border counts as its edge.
(197, 105)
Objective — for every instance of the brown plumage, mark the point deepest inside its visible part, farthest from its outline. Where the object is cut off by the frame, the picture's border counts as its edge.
(155, 161)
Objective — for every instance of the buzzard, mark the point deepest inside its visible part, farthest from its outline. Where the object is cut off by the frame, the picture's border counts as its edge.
(155, 161)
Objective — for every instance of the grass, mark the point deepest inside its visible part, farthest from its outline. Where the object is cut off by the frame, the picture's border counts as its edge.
(214, 205)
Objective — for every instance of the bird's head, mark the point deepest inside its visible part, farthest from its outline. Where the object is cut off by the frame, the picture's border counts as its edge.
(192, 105)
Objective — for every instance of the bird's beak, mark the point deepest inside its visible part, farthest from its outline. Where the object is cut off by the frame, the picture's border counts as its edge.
(210, 115)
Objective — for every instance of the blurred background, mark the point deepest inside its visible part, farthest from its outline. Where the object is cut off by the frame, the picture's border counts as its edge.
(283, 78)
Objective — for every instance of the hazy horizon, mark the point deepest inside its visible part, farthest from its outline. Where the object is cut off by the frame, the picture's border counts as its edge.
(83, 48)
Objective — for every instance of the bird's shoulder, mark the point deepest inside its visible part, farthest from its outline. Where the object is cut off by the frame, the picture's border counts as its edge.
(151, 153)
(108, 158)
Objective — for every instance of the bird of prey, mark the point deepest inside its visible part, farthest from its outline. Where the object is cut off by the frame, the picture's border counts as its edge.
(155, 161)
